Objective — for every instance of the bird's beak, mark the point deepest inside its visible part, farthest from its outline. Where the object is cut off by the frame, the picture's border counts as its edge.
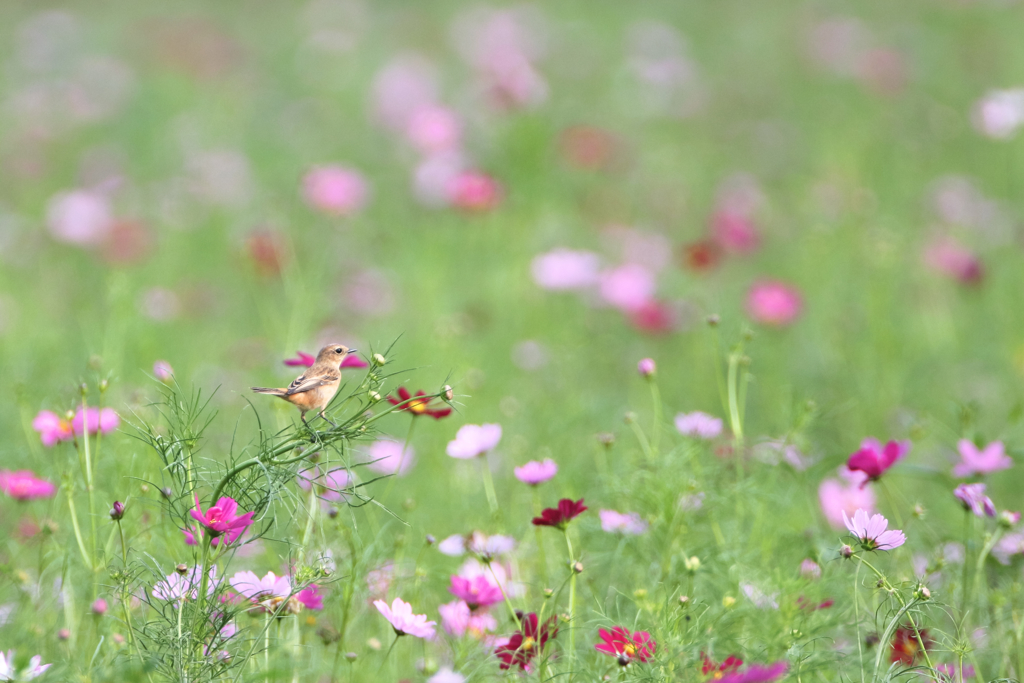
(352, 350)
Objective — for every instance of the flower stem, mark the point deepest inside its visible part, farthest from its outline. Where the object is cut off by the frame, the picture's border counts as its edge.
(508, 602)
(572, 603)
(735, 420)
(485, 470)
(89, 488)
(78, 531)
(656, 422)
(905, 609)
(641, 437)
(856, 608)
(542, 559)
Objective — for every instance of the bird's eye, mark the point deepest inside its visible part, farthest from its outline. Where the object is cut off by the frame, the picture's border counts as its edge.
(339, 350)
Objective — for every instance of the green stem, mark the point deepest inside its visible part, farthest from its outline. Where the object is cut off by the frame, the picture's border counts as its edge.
(979, 568)
(89, 488)
(641, 437)
(572, 604)
(656, 405)
(541, 556)
(204, 583)
(735, 421)
(504, 595)
(485, 471)
(905, 609)
(856, 608)
(78, 531)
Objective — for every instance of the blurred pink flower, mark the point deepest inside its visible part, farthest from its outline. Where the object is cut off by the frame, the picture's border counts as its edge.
(774, 303)
(534, 473)
(999, 113)
(973, 498)
(311, 597)
(654, 317)
(628, 523)
(627, 287)
(837, 498)
(478, 543)
(34, 669)
(457, 619)
(472, 441)
(760, 599)
(756, 673)
(477, 591)
(176, 587)
(432, 129)
(406, 84)
(474, 191)
(52, 428)
(163, 371)
(809, 569)
(446, 675)
(1009, 545)
(387, 457)
(25, 485)
(955, 673)
(564, 269)
(991, 458)
(698, 424)
(329, 484)
(434, 176)
(405, 623)
(335, 190)
(95, 420)
(735, 232)
(80, 217)
(646, 367)
(948, 257)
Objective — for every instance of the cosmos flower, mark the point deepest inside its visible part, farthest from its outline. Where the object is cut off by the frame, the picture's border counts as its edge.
(906, 646)
(335, 190)
(950, 258)
(1000, 113)
(735, 232)
(256, 589)
(811, 570)
(973, 498)
(627, 287)
(163, 371)
(433, 129)
(418, 404)
(535, 473)
(387, 456)
(95, 420)
(476, 591)
(474, 191)
(646, 367)
(698, 425)
(628, 523)
(757, 673)
(560, 516)
(478, 543)
(710, 666)
(872, 531)
(25, 485)
(223, 519)
(973, 460)
(873, 459)
(773, 303)
(446, 675)
(838, 497)
(185, 586)
(405, 623)
(34, 669)
(472, 441)
(526, 643)
(625, 646)
(52, 428)
(329, 485)
(311, 597)
(306, 360)
(565, 269)
(457, 619)
(80, 217)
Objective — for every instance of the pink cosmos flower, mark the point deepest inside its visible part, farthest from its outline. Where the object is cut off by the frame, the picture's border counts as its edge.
(222, 518)
(257, 589)
(407, 83)
(386, 456)
(973, 498)
(307, 360)
(432, 129)
(873, 459)
(628, 523)
(991, 458)
(655, 317)
(474, 191)
(774, 303)
(80, 217)
(446, 675)
(1009, 545)
(952, 259)
(52, 428)
(838, 498)
(177, 587)
(311, 597)
(760, 599)
(457, 619)
(809, 569)
(627, 287)
(566, 269)
(872, 531)
(404, 621)
(757, 673)
(34, 669)
(1000, 113)
(472, 441)
(735, 232)
(477, 591)
(25, 485)
(534, 473)
(95, 420)
(626, 646)
(335, 190)
(329, 484)
(478, 543)
(698, 425)
(163, 371)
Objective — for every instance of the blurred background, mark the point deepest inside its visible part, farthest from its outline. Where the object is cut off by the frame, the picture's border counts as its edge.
(528, 198)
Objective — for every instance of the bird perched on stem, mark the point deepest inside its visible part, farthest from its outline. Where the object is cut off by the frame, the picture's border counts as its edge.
(314, 389)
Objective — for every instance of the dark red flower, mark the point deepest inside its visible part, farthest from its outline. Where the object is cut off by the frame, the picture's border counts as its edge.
(710, 666)
(304, 359)
(702, 256)
(624, 646)
(419, 405)
(527, 642)
(906, 647)
(804, 603)
(560, 516)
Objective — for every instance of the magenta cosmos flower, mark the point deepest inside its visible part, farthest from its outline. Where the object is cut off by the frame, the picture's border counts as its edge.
(625, 646)
(478, 543)
(474, 191)
(306, 360)
(991, 458)
(559, 517)
(873, 459)
(973, 498)
(477, 591)
(25, 485)
(773, 303)
(950, 258)
(52, 428)
(565, 269)
(93, 420)
(838, 498)
(698, 425)
(472, 441)
(872, 531)
(628, 523)
(405, 623)
(335, 190)
(534, 473)
(222, 519)
(757, 673)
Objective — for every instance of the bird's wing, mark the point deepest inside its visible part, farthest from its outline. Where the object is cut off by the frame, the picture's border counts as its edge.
(308, 382)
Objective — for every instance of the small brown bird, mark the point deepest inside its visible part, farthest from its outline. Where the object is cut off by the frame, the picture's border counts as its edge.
(314, 389)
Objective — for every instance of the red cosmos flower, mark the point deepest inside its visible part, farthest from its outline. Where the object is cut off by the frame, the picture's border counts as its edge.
(418, 406)
(873, 459)
(653, 317)
(222, 519)
(526, 643)
(351, 361)
(626, 647)
(702, 256)
(560, 516)
(731, 663)
(906, 647)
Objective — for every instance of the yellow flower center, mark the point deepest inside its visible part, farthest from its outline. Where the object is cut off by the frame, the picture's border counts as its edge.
(630, 650)
(717, 675)
(418, 406)
(528, 644)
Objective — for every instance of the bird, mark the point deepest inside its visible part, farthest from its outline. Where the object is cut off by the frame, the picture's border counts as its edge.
(314, 389)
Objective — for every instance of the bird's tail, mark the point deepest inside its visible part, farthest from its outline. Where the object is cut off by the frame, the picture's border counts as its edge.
(267, 390)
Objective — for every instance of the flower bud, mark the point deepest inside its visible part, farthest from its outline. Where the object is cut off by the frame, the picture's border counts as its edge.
(63, 634)
(623, 659)
(713, 320)
(163, 371)
(922, 593)
(646, 367)
(352, 656)
(104, 385)
(692, 564)
(372, 643)
(577, 567)
(548, 593)
(373, 396)
(328, 635)
(846, 551)
(629, 418)
(83, 388)
(809, 569)
(181, 569)
(378, 359)
(144, 488)
(99, 607)
(430, 539)
(117, 512)
(1008, 519)
(918, 511)
(640, 593)
(728, 602)
(118, 638)
(448, 393)
(166, 492)
(332, 512)
(684, 601)
(428, 666)
(606, 439)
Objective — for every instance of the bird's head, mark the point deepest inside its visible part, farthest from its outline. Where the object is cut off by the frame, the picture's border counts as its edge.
(333, 353)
